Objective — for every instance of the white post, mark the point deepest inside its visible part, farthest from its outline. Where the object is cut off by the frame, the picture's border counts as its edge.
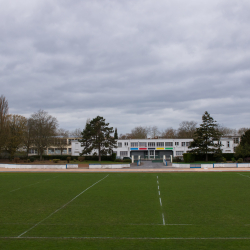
(132, 158)
(171, 158)
(164, 157)
(139, 158)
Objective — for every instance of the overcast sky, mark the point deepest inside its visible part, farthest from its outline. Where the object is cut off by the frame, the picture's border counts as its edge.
(134, 62)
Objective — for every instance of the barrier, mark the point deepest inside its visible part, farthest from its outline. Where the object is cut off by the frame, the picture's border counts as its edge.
(30, 166)
(70, 166)
(165, 163)
(92, 166)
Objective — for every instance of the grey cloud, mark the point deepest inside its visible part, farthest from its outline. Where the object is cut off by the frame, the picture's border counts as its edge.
(128, 60)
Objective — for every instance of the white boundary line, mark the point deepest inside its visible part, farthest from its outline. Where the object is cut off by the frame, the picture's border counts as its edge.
(62, 207)
(244, 175)
(163, 219)
(28, 185)
(136, 238)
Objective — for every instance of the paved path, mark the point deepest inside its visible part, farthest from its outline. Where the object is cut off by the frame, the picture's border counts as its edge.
(149, 164)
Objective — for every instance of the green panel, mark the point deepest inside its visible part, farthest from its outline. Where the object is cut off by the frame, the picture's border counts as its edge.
(168, 148)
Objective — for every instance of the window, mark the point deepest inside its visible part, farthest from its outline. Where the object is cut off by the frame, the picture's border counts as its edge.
(124, 153)
(183, 144)
(169, 144)
(119, 144)
(228, 144)
(134, 144)
(187, 144)
(151, 152)
(160, 144)
(125, 144)
(236, 140)
(176, 143)
(151, 144)
(143, 144)
(179, 152)
(69, 150)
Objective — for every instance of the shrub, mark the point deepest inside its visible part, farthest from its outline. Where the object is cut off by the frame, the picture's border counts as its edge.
(16, 160)
(113, 156)
(233, 160)
(188, 157)
(240, 160)
(177, 159)
(32, 159)
(75, 160)
(118, 160)
(224, 159)
(68, 159)
(81, 158)
(127, 160)
(56, 160)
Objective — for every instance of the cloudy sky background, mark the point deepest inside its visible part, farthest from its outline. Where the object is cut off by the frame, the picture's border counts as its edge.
(134, 62)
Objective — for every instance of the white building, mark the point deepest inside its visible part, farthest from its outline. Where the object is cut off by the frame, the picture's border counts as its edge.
(156, 148)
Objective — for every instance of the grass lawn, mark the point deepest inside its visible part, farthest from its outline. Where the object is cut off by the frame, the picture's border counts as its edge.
(125, 210)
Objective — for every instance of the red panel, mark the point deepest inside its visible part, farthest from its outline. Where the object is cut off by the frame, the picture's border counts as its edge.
(143, 149)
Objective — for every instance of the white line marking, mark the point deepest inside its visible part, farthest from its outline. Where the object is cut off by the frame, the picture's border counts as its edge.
(159, 193)
(157, 176)
(138, 238)
(244, 175)
(160, 202)
(158, 182)
(62, 206)
(158, 187)
(163, 220)
(31, 184)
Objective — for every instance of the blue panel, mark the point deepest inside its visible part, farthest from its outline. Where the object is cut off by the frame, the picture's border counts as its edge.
(133, 148)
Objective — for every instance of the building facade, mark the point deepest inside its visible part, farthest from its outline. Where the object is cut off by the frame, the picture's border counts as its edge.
(156, 148)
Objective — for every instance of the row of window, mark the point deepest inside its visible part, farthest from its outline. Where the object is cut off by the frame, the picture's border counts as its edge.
(153, 144)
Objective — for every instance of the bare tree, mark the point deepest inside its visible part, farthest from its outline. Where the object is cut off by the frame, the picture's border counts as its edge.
(169, 133)
(77, 133)
(187, 129)
(60, 141)
(125, 136)
(139, 132)
(154, 131)
(4, 109)
(242, 131)
(226, 131)
(28, 136)
(43, 130)
(16, 133)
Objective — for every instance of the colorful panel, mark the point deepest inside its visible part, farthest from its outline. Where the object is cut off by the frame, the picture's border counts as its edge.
(160, 148)
(133, 148)
(143, 148)
(151, 148)
(169, 148)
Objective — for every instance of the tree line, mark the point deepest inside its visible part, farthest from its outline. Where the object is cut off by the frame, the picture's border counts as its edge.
(186, 129)
(38, 131)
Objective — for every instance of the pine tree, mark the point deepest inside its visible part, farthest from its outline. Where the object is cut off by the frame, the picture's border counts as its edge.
(97, 135)
(206, 137)
(116, 134)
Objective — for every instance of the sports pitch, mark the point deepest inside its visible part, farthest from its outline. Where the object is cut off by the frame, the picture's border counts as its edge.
(125, 210)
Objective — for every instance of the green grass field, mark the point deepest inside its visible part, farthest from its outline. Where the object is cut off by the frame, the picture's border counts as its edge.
(124, 211)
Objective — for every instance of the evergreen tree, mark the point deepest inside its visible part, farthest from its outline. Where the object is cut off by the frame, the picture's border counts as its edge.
(243, 149)
(116, 134)
(97, 135)
(206, 137)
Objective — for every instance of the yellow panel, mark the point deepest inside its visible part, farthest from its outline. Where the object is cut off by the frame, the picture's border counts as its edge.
(160, 148)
